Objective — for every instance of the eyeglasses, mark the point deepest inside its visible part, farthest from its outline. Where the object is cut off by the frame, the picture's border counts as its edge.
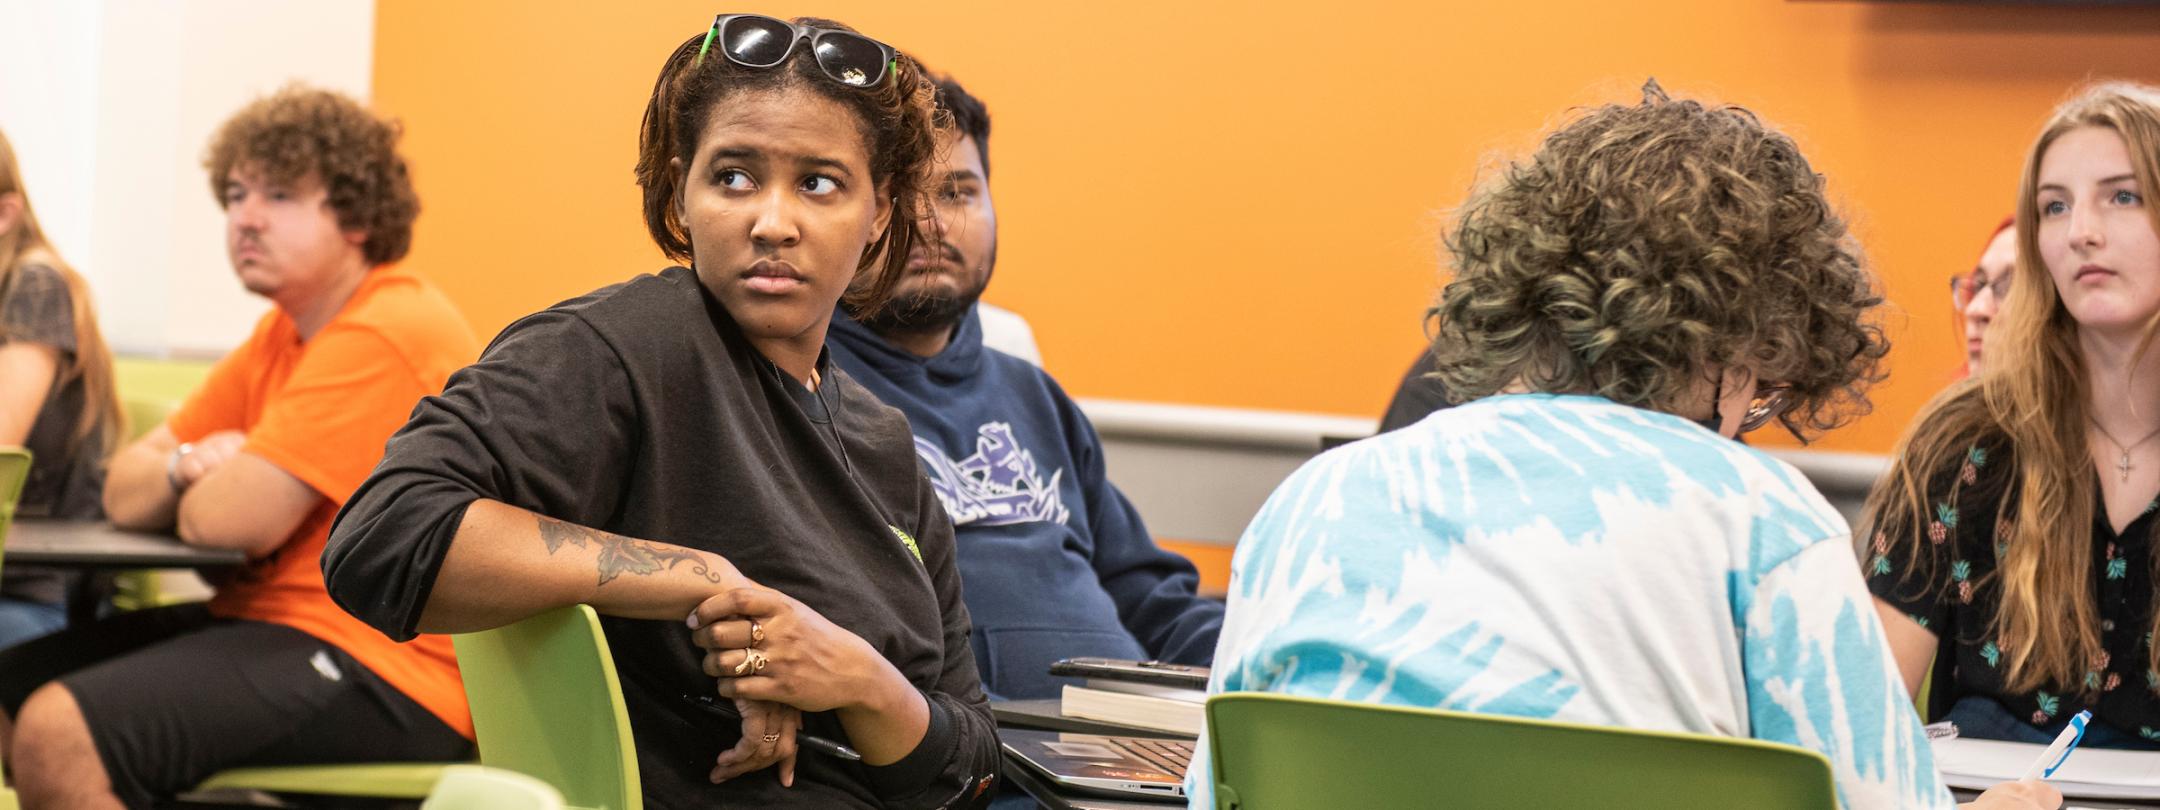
(1769, 401)
(755, 40)
(1966, 285)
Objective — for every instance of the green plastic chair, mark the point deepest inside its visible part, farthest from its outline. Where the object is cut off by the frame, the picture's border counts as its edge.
(1927, 687)
(477, 787)
(546, 703)
(14, 470)
(150, 390)
(1273, 752)
(377, 780)
(158, 379)
(138, 590)
(143, 415)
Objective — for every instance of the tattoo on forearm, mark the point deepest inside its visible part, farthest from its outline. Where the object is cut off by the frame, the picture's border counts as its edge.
(621, 555)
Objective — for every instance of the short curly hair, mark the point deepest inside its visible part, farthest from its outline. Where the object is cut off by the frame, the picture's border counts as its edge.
(1644, 247)
(299, 131)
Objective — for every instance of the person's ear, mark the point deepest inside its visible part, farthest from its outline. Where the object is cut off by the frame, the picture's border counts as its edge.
(11, 208)
(675, 183)
(882, 217)
(1737, 387)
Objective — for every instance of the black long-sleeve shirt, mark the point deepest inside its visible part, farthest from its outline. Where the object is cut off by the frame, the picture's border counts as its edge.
(641, 409)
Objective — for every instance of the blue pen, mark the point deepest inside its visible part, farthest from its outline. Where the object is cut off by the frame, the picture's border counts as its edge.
(2059, 752)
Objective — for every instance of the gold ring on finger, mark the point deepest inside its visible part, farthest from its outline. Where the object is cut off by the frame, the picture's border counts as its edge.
(743, 668)
(757, 634)
(758, 661)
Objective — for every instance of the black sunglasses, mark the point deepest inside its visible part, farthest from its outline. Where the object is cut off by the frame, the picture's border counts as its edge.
(1768, 403)
(755, 40)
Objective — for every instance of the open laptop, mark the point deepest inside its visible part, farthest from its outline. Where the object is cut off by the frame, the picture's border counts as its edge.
(1106, 766)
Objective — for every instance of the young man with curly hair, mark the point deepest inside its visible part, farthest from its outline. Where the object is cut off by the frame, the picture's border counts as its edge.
(1580, 540)
(140, 706)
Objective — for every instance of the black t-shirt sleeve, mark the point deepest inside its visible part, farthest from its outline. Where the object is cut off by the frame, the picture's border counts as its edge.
(1418, 396)
(543, 422)
(956, 764)
(38, 309)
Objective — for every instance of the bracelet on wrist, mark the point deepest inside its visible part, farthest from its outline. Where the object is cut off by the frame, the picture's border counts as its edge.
(172, 466)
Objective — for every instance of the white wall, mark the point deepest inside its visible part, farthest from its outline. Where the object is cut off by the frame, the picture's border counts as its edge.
(1200, 474)
(110, 104)
(48, 66)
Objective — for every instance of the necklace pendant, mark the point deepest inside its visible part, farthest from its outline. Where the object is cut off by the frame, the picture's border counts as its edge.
(2122, 465)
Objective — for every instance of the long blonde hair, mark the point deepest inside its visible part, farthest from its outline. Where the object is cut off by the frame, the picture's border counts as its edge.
(92, 362)
(2034, 398)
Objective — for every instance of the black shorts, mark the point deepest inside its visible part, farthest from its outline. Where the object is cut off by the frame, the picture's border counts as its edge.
(174, 695)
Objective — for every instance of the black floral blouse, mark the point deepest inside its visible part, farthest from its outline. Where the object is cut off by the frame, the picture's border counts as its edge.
(1954, 594)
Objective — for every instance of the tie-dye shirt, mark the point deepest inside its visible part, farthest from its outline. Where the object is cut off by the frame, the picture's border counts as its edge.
(1565, 557)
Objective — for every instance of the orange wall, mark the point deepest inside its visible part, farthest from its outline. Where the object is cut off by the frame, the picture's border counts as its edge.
(1236, 204)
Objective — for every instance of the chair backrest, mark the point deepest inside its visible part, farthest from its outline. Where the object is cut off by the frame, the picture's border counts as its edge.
(1008, 332)
(151, 388)
(478, 787)
(546, 703)
(1276, 751)
(14, 470)
(144, 415)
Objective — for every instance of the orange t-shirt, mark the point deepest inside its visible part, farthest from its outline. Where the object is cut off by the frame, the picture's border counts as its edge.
(321, 410)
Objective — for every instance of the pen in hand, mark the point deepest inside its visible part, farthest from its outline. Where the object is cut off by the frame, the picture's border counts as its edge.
(2059, 752)
(821, 745)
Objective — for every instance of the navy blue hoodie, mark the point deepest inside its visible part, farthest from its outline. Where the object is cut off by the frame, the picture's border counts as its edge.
(1054, 562)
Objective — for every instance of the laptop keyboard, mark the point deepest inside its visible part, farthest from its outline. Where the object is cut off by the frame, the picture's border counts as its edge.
(1173, 756)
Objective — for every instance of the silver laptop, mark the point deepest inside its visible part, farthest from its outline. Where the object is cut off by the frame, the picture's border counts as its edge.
(1110, 766)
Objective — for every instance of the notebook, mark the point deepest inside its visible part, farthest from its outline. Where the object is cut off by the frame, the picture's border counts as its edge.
(1142, 694)
(1111, 766)
(1127, 708)
(2090, 773)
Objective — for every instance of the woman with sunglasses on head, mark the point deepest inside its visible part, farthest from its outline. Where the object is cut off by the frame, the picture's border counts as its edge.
(1580, 539)
(2012, 542)
(676, 450)
(1978, 296)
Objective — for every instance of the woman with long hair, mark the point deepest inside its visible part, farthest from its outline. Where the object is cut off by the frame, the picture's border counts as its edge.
(56, 396)
(2012, 541)
(677, 449)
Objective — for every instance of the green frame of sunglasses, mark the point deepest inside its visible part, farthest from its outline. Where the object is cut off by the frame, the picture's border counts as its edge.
(887, 65)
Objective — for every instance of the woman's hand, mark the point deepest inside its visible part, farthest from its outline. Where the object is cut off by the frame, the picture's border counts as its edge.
(2026, 795)
(768, 739)
(764, 645)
